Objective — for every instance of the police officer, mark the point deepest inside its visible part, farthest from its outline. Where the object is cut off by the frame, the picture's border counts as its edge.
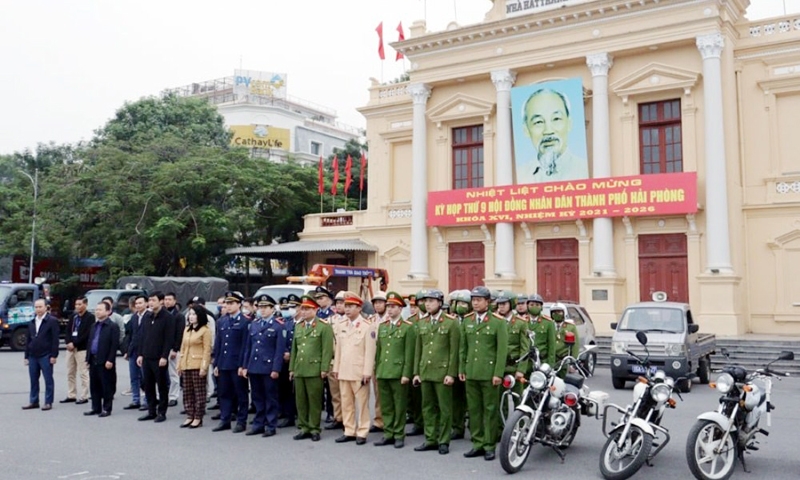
(334, 420)
(325, 299)
(262, 362)
(379, 305)
(285, 387)
(461, 306)
(567, 343)
(518, 341)
(228, 348)
(309, 363)
(436, 368)
(412, 306)
(484, 348)
(522, 306)
(544, 330)
(417, 306)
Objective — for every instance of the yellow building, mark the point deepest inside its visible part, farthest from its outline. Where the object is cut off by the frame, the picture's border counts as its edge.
(667, 86)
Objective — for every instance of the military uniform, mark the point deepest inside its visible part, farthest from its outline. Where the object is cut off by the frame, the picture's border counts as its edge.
(545, 338)
(484, 349)
(312, 350)
(228, 348)
(415, 392)
(394, 360)
(519, 344)
(459, 387)
(377, 319)
(262, 362)
(563, 349)
(330, 393)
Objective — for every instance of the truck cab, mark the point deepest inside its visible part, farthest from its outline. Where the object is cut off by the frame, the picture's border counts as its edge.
(16, 310)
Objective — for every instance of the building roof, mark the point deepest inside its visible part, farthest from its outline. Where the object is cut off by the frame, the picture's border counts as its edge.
(353, 245)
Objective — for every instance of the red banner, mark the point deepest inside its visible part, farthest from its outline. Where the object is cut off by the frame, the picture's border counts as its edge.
(642, 195)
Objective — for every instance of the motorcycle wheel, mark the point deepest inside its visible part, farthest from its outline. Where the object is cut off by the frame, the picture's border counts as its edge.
(618, 465)
(703, 438)
(513, 452)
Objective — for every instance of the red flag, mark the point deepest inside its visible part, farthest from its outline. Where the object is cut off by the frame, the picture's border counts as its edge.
(380, 41)
(400, 38)
(348, 171)
(321, 177)
(363, 167)
(335, 175)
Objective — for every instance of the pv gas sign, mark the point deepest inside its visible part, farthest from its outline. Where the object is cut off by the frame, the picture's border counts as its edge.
(260, 84)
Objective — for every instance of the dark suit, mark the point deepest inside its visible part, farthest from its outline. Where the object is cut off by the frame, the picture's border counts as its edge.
(102, 348)
(157, 338)
(133, 331)
(42, 346)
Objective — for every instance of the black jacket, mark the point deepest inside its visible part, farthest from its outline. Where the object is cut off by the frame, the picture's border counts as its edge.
(157, 335)
(133, 331)
(79, 336)
(180, 326)
(107, 344)
(46, 342)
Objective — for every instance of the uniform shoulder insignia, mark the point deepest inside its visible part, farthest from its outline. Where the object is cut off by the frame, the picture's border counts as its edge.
(324, 320)
(448, 316)
(407, 322)
(524, 319)
(569, 321)
(369, 320)
(280, 320)
(470, 315)
(547, 318)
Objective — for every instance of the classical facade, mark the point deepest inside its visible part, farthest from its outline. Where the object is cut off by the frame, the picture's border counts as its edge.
(668, 86)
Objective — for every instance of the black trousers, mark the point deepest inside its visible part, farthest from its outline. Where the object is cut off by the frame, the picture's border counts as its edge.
(103, 386)
(155, 375)
(233, 397)
(286, 394)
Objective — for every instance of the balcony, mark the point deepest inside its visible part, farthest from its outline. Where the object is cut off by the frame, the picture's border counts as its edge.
(388, 93)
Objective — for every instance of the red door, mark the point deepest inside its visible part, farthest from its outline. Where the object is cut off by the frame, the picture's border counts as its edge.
(466, 262)
(557, 269)
(663, 267)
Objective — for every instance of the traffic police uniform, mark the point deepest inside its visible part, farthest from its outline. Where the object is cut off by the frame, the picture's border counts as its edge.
(484, 349)
(435, 358)
(262, 362)
(228, 347)
(394, 359)
(288, 410)
(312, 350)
(334, 394)
(544, 330)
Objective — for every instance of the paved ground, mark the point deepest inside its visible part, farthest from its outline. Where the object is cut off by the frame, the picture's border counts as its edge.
(63, 444)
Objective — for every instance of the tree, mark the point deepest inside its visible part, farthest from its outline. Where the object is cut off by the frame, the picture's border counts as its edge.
(353, 148)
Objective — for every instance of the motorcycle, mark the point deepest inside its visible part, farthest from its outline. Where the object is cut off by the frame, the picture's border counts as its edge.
(721, 436)
(630, 441)
(548, 412)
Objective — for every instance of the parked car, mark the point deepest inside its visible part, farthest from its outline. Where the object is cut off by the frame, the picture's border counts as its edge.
(280, 291)
(578, 315)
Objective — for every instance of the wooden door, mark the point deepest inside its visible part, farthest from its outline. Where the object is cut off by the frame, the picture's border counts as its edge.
(466, 265)
(557, 269)
(663, 267)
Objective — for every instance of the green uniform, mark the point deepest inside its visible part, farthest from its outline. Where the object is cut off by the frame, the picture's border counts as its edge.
(545, 340)
(436, 357)
(415, 393)
(483, 350)
(459, 403)
(312, 351)
(518, 345)
(563, 349)
(394, 359)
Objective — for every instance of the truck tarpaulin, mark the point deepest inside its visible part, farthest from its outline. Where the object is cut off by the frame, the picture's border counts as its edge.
(210, 288)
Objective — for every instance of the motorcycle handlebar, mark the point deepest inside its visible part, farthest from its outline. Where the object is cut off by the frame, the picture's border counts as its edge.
(777, 373)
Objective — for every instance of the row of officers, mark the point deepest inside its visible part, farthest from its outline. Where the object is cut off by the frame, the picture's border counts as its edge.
(440, 370)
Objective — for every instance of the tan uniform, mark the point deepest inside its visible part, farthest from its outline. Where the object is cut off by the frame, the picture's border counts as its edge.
(335, 321)
(378, 421)
(355, 359)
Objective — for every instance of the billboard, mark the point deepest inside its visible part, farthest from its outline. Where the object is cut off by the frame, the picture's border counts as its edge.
(260, 84)
(549, 132)
(260, 136)
(641, 195)
(515, 8)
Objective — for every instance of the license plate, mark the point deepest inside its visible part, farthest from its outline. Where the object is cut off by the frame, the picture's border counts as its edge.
(640, 369)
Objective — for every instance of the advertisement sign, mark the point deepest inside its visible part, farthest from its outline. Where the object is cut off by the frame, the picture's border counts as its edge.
(642, 195)
(260, 136)
(549, 129)
(515, 8)
(260, 84)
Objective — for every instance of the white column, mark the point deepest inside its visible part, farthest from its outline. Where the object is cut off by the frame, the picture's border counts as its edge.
(504, 168)
(718, 249)
(419, 190)
(603, 241)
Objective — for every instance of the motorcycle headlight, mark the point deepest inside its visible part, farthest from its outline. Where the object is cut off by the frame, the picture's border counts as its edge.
(724, 383)
(538, 380)
(660, 393)
(545, 368)
(619, 348)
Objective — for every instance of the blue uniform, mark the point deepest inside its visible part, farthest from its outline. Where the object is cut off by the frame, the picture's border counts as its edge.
(285, 391)
(228, 348)
(324, 313)
(263, 355)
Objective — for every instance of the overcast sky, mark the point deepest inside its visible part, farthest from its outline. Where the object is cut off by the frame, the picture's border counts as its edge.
(67, 65)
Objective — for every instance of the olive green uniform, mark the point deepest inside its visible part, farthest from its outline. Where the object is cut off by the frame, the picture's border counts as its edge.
(483, 350)
(436, 357)
(459, 402)
(545, 341)
(562, 348)
(312, 351)
(394, 359)
(415, 392)
(518, 345)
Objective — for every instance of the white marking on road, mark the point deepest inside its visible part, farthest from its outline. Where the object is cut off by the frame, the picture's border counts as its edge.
(74, 474)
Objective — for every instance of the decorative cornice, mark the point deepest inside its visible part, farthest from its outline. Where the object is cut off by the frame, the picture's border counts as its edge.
(710, 45)
(420, 93)
(504, 79)
(599, 63)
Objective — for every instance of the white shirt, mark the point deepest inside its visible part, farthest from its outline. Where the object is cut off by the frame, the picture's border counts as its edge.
(38, 322)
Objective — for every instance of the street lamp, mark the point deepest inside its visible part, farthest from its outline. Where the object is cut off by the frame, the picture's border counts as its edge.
(35, 181)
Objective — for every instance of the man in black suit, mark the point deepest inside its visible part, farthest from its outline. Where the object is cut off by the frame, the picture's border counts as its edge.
(77, 337)
(102, 359)
(157, 339)
(133, 330)
(41, 354)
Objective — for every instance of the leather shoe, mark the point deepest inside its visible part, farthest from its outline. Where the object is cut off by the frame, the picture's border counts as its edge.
(415, 431)
(172, 403)
(132, 406)
(143, 408)
(196, 425)
(384, 441)
(334, 426)
(214, 407)
(444, 449)
(361, 440)
(315, 437)
(302, 436)
(216, 417)
(90, 412)
(81, 401)
(221, 427)
(489, 456)
(47, 407)
(399, 443)
(345, 439)
(269, 433)
(160, 418)
(67, 400)
(473, 453)
(104, 414)
(257, 431)
(285, 422)
(147, 417)
(239, 428)
(457, 436)
(374, 429)
(425, 447)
